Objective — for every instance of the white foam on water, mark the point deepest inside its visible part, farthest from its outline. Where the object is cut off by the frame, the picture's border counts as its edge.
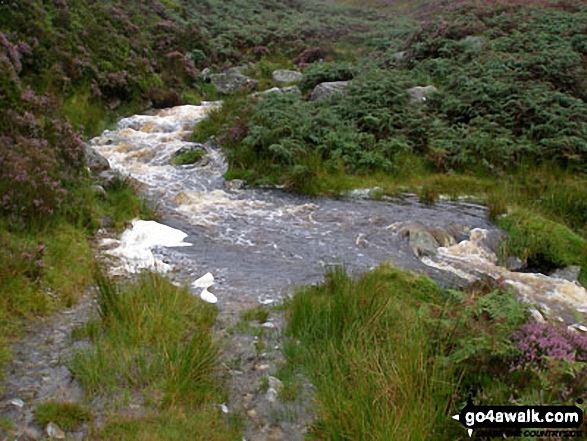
(136, 245)
(205, 282)
(469, 259)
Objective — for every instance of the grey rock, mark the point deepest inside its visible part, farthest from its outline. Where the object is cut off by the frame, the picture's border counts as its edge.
(271, 395)
(275, 383)
(232, 81)
(54, 431)
(473, 42)
(95, 161)
(514, 263)
(291, 89)
(108, 177)
(443, 237)
(420, 94)
(325, 90)
(242, 69)
(268, 92)
(399, 56)
(284, 76)
(570, 273)
(236, 184)
(17, 402)
(422, 242)
(99, 191)
(205, 74)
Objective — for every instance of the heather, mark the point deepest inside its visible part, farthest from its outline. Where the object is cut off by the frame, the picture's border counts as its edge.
(395, 339)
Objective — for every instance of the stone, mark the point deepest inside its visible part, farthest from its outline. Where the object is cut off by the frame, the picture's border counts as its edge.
(108, 178)
(17, 402)
(514, 263)
(252, 413)
(232, 81)
(268, 92)
(95, 161)
(399, 56)
(271, 395)
(420, 94)
(284, 76)
(275, 383)
(99, 191)
(54, 431)
(570, 273)
(205, 74)
(443, 238)
(291, 89)
(422, 242)
(325, 90)
(235, 184)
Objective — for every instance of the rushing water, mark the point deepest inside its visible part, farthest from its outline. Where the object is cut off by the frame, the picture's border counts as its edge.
(259, 243)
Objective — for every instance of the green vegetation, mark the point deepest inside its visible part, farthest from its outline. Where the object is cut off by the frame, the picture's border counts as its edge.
(392, 356)
(188, 157)
(65, 414)
(155, 340)
(544, 243)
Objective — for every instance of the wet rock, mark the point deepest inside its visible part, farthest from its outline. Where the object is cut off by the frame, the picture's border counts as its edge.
(325, 90)
(443, 237)
(54, 431)
(232, 81)
(236, 184)
(420, 94)
(95, 161)
(570, 273)
(284, 76)
(422, 242)
(514, 263)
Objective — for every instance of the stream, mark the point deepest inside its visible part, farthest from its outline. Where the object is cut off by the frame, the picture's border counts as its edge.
(240, 248)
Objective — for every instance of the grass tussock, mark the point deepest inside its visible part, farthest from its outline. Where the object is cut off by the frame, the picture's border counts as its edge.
(154, 339)
(366, 349)
(65, 414)
(392, 356)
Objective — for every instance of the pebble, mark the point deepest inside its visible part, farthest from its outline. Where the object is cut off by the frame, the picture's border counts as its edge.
(54, 431)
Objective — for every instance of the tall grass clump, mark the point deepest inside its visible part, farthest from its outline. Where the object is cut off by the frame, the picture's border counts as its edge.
(155, 339)
(365, 346)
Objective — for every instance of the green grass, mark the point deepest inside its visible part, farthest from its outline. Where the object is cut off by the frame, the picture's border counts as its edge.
(544, 243)
(173, 425)
(190, 157)
(366, 349)
(66, 415)
(156, 341)
(259, 314)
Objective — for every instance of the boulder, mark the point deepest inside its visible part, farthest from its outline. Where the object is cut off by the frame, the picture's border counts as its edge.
(232, 81)
(420, 94)
(288, 89)
(235, 184)
(205, 74)
(283, 76)
(325, 90)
